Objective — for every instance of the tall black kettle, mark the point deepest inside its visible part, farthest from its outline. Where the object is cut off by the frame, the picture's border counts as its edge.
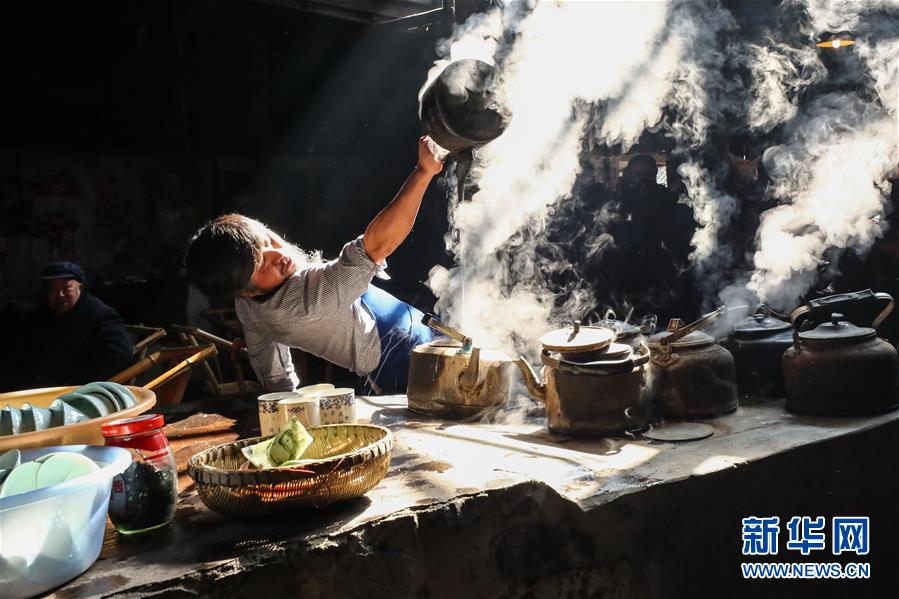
(460, 110)
(837, 368)
(758, 344)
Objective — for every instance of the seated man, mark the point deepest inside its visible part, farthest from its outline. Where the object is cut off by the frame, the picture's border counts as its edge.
(73, 338)
(287, 298)
(646, 264)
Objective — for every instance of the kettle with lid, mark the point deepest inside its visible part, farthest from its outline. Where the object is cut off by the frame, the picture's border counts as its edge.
(460, 112)
(837, 368)
(693, 376)
(757, 344)
(460, 109)
(592, 385)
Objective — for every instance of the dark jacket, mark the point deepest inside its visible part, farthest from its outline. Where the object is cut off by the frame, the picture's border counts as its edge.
(88, 343)
(643, 260)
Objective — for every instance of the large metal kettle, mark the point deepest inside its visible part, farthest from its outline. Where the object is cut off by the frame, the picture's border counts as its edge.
(450, 378)
(757, 344)
(461, 112)
(692, 375)
(837, 368)
(459, 108)
(592, 385)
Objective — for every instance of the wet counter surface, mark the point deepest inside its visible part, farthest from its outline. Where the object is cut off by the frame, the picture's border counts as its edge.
(437, 467)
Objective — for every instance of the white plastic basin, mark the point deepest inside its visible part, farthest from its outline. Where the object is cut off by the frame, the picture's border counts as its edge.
(51, 535)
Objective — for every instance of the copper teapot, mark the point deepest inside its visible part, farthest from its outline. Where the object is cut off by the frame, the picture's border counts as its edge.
(837, 368)
(450, 378)
(592, 385)
(692, 375)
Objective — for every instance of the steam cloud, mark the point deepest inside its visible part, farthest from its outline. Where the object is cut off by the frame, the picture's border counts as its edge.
(582, 73)
(837, 150)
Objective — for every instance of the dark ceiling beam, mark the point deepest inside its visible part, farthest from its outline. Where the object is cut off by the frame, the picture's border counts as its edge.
(374, 12)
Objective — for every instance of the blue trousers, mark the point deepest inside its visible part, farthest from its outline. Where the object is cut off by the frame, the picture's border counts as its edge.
(400, 329)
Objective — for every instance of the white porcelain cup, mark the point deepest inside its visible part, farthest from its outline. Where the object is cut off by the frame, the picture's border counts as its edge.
(337, 406)
(312, 389)
(304, 408)
(269, 421)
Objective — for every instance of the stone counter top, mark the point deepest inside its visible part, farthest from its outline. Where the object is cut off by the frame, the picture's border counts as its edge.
(442, 469)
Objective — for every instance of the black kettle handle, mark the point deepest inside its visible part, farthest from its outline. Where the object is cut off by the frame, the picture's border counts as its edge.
(858, 304)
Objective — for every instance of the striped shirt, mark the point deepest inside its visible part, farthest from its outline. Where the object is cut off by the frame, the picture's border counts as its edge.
(317, 310)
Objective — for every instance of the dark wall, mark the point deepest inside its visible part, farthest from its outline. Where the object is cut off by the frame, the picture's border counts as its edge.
(125, 125)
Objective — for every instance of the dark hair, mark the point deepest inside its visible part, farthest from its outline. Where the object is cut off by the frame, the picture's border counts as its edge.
(222, 256)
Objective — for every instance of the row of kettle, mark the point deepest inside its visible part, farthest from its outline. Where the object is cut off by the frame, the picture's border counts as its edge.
(596, 380)
(608, 379)
(819, 358)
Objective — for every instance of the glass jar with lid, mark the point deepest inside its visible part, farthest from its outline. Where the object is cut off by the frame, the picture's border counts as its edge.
(143, 497)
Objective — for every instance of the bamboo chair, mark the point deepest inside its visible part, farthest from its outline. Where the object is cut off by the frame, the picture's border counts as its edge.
(177, 362)
(144, 337)
(212, 371)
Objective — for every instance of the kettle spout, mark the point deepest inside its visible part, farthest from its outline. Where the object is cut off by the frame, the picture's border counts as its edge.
(535, 387)
(468, 380)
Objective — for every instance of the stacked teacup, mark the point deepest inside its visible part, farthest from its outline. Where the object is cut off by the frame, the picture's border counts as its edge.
(335, 405)
(311, 406)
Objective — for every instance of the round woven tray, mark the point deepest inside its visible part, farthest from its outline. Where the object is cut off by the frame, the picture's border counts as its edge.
(354, 458)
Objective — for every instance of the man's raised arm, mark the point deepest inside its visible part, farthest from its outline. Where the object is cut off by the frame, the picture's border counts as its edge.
(392, 225)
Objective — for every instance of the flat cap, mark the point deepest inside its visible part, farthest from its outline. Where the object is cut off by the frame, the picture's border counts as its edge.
(63, 270)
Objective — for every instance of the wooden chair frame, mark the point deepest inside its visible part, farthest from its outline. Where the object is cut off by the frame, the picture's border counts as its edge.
(236, 353)
(146, 335)
(170, 385)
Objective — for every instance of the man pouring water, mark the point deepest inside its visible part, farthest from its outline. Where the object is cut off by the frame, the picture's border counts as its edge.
(286, 297)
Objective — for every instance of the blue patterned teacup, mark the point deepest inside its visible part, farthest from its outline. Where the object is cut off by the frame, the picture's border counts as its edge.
(337, 406)
(269, 421)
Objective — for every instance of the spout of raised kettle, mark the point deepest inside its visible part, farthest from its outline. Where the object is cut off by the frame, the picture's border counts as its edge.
(536, 388)
(468, 380)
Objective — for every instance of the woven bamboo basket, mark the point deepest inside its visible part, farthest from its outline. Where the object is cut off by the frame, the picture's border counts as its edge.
(353, 459)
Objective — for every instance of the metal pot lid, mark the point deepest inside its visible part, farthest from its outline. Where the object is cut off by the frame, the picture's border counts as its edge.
(837, 330)
(577, 339)
(759, 325)
(615, 352)
(694, 339)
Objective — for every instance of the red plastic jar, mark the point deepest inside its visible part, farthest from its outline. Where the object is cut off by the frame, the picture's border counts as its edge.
(143, 497)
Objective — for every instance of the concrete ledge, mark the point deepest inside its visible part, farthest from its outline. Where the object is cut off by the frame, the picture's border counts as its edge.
(486, 510)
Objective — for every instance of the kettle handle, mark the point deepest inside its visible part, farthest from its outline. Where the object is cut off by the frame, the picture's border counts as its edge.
(431, 321)
(678, 330)
(766, 310)
(889, 305)
(820, 309)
